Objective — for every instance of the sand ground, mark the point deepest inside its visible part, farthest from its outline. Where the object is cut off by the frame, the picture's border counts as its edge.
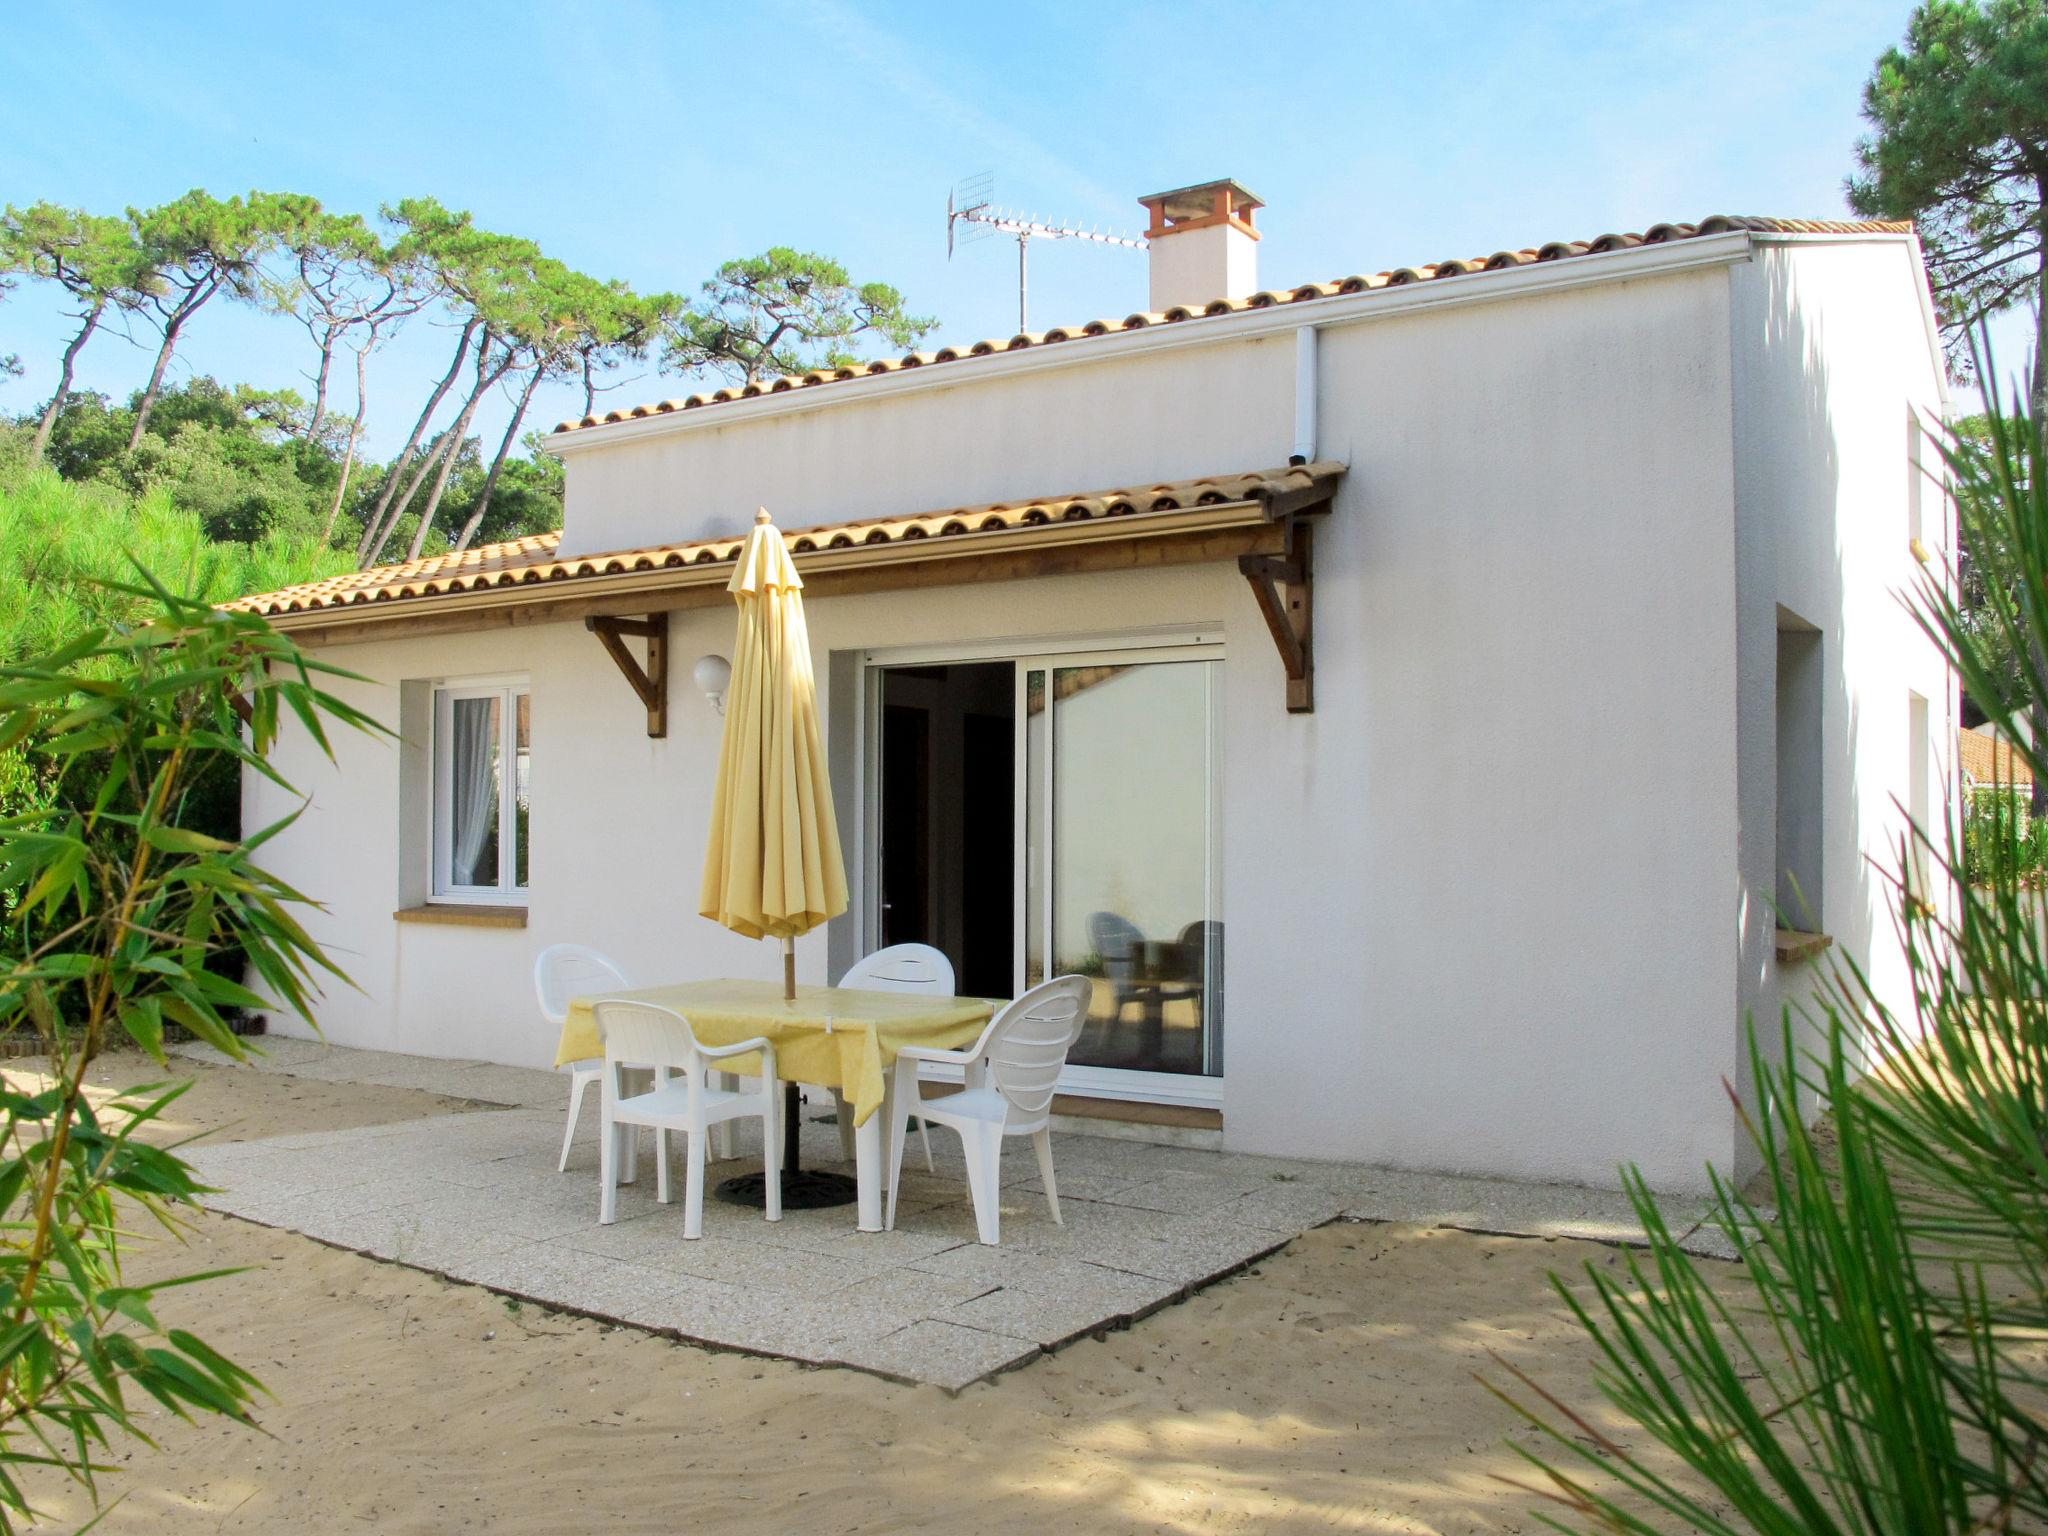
(1329, 1388)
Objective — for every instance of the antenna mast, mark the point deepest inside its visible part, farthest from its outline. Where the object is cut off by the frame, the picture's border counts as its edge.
(970, 204)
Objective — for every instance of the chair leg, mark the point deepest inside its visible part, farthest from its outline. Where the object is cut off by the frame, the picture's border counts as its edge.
(902, 1094)
(693, 1183)
(842, 1117)
(924, 1134)
(607, 1172)
(1041, 1143)
(576, 1087)
(771, 1153)
(984, 1148)
(661, 1162)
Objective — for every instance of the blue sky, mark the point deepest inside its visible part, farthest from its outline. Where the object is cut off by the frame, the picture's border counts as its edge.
(650, 141)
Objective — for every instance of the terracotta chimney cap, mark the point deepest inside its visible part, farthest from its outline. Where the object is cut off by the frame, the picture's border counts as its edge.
(1208, 202)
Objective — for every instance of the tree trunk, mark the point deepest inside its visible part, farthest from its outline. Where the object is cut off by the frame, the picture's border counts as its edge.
(56, 405)
(457, 433)
(483, 502)
(2037, 408)
(320, 386)
(355, 437)
(174, 326)
(374, 533)
(428, 463)
(2038, 401)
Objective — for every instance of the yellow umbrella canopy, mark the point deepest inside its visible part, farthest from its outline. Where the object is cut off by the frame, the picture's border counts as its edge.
(773, 868)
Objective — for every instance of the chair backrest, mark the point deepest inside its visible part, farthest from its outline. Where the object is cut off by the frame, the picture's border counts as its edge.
(645, 1034)
(1201, 949)
(1115, 940)
(563, 972)
(903, 968)
(1027, 1042)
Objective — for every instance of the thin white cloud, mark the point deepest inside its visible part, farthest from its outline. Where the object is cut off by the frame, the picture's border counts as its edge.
(1017, 157)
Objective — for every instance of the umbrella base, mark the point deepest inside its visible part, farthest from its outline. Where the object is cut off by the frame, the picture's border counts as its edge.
(803, 1189)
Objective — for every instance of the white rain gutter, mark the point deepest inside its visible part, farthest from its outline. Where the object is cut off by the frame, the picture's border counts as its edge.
(1210, 330)
(1304, 451)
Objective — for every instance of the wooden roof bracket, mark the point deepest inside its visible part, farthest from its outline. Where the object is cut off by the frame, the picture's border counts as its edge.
(1283, 584)
(650, 683)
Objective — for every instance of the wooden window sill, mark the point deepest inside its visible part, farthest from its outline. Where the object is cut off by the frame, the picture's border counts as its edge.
(1795, 946)
(1188, 1117)
(463, 914)
(1132, 1112)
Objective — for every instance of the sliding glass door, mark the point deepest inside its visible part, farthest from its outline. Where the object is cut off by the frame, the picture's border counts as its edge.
(1110, 812)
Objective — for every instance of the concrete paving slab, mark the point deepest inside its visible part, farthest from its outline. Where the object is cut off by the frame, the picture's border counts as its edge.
(943, 1354)
(1048, 1321)
(475, 1195)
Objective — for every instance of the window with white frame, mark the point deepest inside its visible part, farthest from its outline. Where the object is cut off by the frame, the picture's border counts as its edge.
(483, 744)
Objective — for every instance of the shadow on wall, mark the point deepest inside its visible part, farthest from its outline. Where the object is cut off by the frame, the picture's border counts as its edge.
(1803, 821)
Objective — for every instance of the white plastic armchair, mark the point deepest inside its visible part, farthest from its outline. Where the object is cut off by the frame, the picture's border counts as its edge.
(899, 968)
(561, 974)
(1011, 1073)
(646, 1034)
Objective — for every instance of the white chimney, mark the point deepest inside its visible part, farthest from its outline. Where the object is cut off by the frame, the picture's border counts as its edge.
(1203, 244)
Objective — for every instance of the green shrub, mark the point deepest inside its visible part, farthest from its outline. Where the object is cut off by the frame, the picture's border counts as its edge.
(66, 547)
(2002, 841)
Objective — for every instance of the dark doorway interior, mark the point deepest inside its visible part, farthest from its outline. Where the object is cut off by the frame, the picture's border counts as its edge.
(947, 843)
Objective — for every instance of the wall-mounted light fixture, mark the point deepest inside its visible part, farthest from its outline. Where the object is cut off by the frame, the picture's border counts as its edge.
(713, 675)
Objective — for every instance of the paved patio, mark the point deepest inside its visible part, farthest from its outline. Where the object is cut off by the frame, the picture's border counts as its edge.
(475, 1196)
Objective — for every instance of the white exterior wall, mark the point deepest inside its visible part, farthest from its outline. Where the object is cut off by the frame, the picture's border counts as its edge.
(1166, 416)
(1478, 903)
(1831, 356)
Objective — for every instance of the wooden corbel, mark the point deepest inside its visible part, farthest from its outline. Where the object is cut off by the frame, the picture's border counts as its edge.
(1283, 586)
(651, 683)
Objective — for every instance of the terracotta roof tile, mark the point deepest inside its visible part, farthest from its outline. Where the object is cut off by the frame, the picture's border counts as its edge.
(531, 561)
(1400, 277)
(1988, 760)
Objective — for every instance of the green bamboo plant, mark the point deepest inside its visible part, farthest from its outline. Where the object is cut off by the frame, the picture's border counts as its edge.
(1874, 1362)
(113, 908)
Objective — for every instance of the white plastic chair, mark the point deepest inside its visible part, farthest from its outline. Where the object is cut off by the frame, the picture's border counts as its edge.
(637, 1034)
(1012, 1072)
(899, 968)
(562, 973)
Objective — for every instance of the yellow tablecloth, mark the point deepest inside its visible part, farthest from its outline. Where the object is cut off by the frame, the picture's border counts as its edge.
(839, 1037)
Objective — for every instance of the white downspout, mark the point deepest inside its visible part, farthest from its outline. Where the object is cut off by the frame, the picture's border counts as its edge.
(1304, 396)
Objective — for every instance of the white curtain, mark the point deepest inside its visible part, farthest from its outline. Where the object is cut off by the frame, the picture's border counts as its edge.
(473, 807)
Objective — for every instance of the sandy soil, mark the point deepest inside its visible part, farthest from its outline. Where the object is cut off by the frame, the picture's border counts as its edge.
(1330, 1388)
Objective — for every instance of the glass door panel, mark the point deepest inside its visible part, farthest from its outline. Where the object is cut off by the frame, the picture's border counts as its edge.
(1086, 790)
(1122, 763)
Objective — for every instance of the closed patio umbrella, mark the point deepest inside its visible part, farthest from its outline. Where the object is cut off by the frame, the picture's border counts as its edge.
(773, 867)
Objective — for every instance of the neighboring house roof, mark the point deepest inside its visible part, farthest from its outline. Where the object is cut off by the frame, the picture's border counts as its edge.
(1990, 760)
(1499, 261)
(529, 566)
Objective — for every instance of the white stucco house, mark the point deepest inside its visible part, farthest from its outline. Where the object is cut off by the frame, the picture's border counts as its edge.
(1482, 654)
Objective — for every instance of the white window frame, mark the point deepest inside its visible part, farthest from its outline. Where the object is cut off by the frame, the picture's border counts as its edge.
(508, 691)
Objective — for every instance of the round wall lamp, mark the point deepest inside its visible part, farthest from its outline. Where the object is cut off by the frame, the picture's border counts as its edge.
(713, 675)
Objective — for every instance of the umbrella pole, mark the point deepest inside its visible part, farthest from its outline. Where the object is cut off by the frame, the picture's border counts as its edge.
(791, 1111)
(801, 1191)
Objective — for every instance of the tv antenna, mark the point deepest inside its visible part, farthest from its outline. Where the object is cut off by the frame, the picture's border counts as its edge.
(971, 203)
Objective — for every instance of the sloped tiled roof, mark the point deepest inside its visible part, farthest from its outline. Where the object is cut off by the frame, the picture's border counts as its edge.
(532, 562)
(1499, 261)
(1988, 760)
